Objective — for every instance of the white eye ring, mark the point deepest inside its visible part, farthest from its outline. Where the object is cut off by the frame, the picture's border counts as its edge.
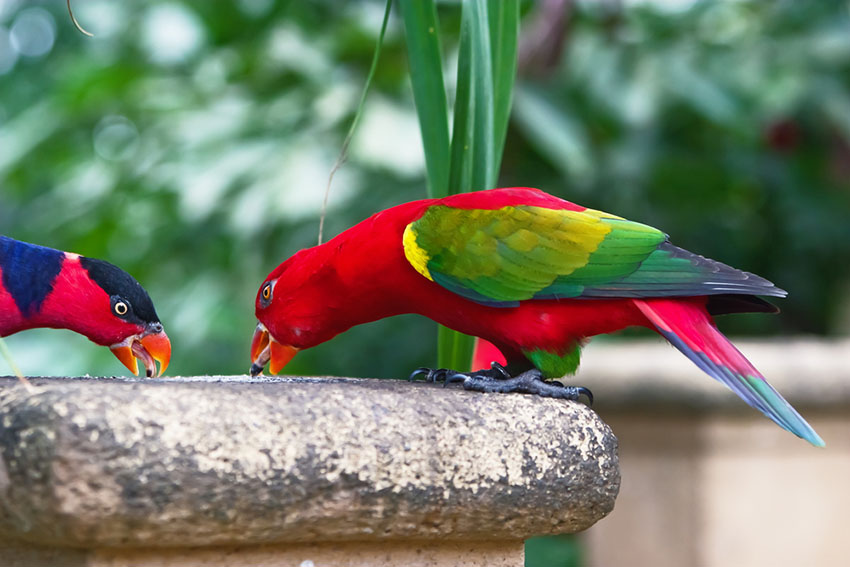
(121, 308)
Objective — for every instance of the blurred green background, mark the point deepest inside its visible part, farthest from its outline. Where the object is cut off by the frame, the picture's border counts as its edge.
(190, 143)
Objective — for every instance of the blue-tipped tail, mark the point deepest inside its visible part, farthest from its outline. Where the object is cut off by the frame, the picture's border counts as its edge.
(689, 328)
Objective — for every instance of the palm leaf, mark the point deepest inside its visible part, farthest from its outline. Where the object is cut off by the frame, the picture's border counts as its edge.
(426, 76)
(504, 35)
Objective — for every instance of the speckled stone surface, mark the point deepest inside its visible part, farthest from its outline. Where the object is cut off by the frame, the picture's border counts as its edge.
(179, 462)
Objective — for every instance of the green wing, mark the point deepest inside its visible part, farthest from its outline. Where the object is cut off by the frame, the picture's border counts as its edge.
(515, 253)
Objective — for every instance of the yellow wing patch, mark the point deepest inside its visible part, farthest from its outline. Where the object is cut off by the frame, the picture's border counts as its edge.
(414, 253)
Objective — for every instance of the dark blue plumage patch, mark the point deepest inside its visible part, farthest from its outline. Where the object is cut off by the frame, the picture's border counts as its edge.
(28, 272)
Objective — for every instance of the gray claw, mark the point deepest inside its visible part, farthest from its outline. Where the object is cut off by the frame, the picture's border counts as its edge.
(587, 393)
(416, 373)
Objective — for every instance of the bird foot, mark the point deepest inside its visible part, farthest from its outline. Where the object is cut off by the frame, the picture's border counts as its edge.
(496, 379)
(495, 372)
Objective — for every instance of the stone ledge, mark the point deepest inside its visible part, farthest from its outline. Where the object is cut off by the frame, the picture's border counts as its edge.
(218, 461)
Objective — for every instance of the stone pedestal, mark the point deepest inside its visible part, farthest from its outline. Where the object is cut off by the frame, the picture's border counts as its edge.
(226, 471)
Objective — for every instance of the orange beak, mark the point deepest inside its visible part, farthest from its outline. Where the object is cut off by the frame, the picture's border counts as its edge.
(149, 348)
(265, 349)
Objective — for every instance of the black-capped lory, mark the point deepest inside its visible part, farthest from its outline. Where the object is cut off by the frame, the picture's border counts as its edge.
(43, 287)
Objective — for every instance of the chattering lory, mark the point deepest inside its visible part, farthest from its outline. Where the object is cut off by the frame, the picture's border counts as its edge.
(535, 275)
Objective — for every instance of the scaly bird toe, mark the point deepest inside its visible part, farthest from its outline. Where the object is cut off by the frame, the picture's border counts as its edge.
(529, 382)
(496, 379)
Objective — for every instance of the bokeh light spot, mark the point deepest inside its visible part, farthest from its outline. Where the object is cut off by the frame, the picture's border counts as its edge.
(33, 32)
(171, 33)
(116, 138)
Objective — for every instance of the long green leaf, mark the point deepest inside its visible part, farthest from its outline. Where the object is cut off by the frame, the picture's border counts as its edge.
(426, 76)
(483, 174)
(460, 172)
(454, 349)
(504, 39)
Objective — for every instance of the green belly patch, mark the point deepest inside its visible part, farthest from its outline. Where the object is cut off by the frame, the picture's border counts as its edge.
(554, 365)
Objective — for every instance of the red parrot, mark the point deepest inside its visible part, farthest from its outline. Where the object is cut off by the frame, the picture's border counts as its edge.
(533, 274)
(43, 287)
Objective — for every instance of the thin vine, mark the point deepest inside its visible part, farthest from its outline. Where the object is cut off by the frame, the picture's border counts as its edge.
(4, 350)
(76, 23)
(343, 152)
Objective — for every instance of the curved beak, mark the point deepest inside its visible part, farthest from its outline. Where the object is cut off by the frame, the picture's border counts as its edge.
(149, 347)
(266, 350)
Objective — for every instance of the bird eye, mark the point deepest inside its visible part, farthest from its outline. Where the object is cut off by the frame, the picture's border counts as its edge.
(267, 291)
(120, 308)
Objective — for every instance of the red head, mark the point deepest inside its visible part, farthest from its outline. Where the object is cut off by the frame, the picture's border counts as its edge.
(358, 276)
(291, 307)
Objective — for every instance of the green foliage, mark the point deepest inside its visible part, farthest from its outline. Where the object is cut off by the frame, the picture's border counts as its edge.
(553, 551)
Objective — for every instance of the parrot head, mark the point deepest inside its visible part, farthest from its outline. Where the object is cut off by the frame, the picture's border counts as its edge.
(292, 308)
(107, 305)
